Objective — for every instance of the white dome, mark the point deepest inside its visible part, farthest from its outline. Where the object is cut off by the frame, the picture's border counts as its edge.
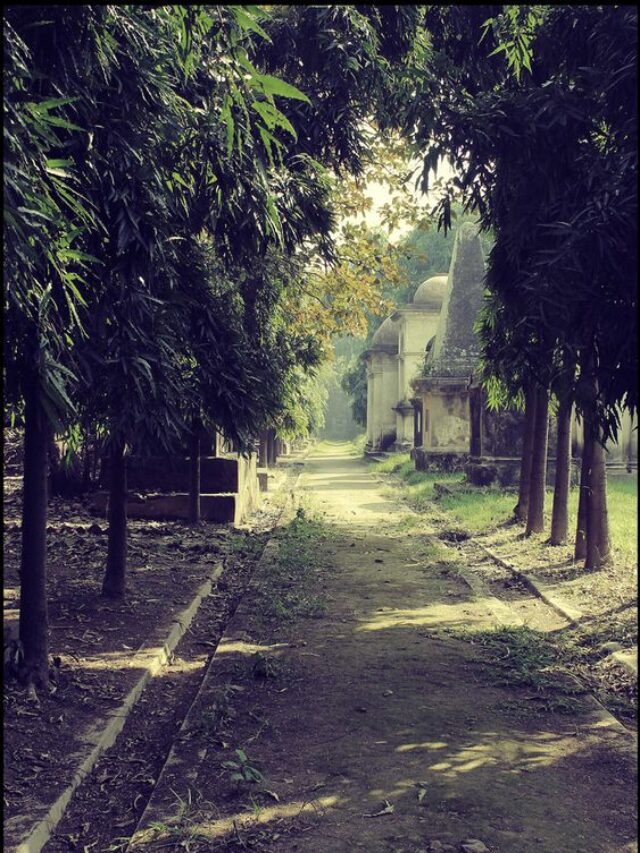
(431, 292)
(386, 335)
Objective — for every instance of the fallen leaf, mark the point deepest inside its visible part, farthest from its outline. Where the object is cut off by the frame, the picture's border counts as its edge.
(388, 809)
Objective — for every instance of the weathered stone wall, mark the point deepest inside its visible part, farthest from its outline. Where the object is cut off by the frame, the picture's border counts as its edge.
(171, 474)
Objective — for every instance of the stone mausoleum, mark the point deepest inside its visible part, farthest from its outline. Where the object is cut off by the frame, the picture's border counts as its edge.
(396, 355)
(441, 393)
(422, 395)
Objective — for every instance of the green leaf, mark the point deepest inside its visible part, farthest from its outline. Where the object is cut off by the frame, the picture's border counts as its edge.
(273, 117)
(60, 122)
(58, 164)
(45, 106)
(246, 22)
(275, 86)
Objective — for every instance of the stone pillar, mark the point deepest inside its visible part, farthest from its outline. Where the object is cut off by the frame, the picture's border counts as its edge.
(370, 404)
(262, 449)
(377, 403)
(389, 399)
(417, 422)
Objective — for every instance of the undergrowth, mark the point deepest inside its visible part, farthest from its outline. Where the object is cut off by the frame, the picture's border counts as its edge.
(522, 657)
(481, 509)
(290, 587)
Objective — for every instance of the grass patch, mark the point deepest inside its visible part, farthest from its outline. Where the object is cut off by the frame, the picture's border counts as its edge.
(290, 588)
(556, 673)
(622, 493)
(357, 444)
(478, 509)
(521, 657)
(392, 464)
(417, 486)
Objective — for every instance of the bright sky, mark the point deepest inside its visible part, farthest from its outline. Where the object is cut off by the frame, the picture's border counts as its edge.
(380, 195)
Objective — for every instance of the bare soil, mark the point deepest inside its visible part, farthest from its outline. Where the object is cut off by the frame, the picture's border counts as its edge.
(379, 723)
(92, 641)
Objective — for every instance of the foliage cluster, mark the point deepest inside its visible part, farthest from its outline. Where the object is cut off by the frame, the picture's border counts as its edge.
(167, 201)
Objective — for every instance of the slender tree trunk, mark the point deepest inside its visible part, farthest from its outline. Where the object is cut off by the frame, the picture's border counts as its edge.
(114, 582)
(522, 507)
(34, 625)
(194, 476)
(580, 546)
(598, 546)
(560, 512)
(535, 516)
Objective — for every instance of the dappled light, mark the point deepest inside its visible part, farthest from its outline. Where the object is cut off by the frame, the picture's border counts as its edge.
(240, 647)
(320, 482)
(203, 828)
(431, 616)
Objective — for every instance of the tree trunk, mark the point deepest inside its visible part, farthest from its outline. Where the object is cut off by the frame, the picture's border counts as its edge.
(560, 512)
(535, 516)
(580, 546)
(114, 582)
(194, 476)
(34, 625)
(598, 546)
(522, 507)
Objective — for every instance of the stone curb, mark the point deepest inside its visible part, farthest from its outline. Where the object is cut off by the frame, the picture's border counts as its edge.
(537, 588)
(152, 661)
(173, 759)
(605, 717)
(570, 613)
(630, 665)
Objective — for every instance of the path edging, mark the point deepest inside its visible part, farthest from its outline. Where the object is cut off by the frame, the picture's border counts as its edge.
(570, 613)
(42, 831)
(172, 758)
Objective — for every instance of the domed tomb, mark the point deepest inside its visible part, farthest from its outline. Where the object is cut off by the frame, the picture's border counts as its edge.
(431, 292)
(382, 385)
(386, 335)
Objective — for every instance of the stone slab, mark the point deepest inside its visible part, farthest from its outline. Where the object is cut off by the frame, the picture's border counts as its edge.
(222, 509)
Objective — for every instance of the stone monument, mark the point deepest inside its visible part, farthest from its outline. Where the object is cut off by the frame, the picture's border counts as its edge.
(441, 394)
(418, 323)
(382, 386)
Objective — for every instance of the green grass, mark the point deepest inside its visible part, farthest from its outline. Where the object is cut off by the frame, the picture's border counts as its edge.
(521, 657)
(477, 509)
(623, 516)
(358, 443)
(418, 485)
(393, 464)
(290, 587)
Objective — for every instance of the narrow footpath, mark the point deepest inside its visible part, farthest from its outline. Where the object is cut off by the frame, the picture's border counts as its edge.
(373, 723)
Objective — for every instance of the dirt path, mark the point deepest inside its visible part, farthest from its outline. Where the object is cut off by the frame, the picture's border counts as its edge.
(380, 731)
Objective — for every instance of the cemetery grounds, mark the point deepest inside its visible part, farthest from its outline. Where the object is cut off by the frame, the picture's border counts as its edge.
(438, 525)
